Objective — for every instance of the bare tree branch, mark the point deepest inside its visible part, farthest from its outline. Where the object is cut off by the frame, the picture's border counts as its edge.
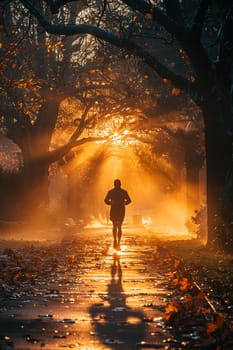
(102, 12)
(174, 10)
(176, 28)
(198, 56)
(58, 153)
(82, 123)
(56, 4)
(199, 20)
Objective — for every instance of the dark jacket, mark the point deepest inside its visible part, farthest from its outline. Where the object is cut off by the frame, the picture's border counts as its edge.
(117, 198)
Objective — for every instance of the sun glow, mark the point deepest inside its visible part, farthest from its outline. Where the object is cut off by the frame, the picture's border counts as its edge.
(122, 139)
(116, 131)
(90, 174)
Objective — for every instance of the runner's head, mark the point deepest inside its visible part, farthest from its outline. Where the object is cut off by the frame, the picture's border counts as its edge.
(117, 183)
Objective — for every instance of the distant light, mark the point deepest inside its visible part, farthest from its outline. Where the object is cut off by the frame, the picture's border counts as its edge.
(146, 220)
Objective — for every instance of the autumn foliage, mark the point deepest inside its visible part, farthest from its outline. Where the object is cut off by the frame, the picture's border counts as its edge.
(189, 310)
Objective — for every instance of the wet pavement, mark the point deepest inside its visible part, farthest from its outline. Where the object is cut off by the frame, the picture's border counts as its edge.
(88, 296)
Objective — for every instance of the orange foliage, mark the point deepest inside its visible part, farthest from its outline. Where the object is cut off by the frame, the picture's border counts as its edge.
(170, 309)
(176, 263)
(100, 59)
(185, 284)
(175, 91)
(170, 274)
(203, 310)
(149, 15)
(216, 324)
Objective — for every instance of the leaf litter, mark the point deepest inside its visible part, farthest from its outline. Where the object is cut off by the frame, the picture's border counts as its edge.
(187, 314)
(190, 313)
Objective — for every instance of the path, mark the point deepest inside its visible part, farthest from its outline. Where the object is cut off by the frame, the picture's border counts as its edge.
(93, 299)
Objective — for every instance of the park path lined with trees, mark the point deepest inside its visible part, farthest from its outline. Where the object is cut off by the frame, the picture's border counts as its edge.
(87, 87)
(79, 293)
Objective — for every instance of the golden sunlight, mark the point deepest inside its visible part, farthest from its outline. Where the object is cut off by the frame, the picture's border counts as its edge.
(98, 165)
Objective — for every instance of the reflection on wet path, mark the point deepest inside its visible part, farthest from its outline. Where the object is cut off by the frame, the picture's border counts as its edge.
(93, 298)
(116, 323)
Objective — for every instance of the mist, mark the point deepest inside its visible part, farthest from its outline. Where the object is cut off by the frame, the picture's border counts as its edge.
(78, 187)
(91, 175)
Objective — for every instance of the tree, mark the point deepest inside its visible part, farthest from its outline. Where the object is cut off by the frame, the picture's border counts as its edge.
(202, 34)
(32, 96)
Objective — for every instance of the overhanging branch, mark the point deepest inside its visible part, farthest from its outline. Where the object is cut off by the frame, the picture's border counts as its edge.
(57, 154)
(126, 44)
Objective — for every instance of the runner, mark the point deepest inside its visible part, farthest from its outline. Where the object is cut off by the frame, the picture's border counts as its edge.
(117, 198)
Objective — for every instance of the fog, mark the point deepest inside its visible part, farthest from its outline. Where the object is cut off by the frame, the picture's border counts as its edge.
(77, 190)
(96, 168)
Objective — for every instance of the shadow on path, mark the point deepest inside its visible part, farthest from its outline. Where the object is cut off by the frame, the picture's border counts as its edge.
(116, 324)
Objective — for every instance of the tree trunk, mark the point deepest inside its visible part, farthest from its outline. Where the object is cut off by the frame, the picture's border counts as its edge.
(34, 190)
(45, 124)
(10, 208)
(218, 164)
(34, 143)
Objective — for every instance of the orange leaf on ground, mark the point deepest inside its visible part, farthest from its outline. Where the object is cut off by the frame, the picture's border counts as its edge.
(216, 324)
(101, 59)
(171, 308)
(149, 15)
(176, 263)
(185, 284)
(175, 91)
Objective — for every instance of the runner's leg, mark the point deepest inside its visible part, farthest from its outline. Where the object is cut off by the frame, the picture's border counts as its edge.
(114, 232)
(119, 233)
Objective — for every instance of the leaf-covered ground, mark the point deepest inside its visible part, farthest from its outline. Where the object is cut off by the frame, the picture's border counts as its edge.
(214, 270)
(205, 278)
(165, 294)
